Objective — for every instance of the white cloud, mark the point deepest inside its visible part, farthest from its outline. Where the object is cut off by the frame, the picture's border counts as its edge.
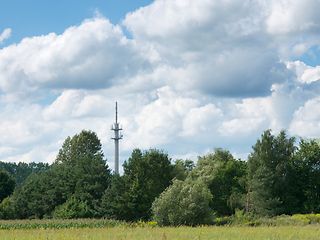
(305, 74)
(201, 120)
(294, 16)
(160, 121)
(306, 120)
(195, 75)
(6, 33)
(311, 74)
(95, 54)
(222, 45)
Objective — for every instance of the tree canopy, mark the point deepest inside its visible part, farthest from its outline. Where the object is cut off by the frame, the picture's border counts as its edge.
(79, 172)
(7, 185)
(146, 175)
(281, 176)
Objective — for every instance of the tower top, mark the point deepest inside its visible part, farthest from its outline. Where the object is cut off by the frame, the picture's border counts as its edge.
(116, 112)
(117, 136)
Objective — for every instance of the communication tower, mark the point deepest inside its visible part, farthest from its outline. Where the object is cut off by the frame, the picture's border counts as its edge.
(117, 136)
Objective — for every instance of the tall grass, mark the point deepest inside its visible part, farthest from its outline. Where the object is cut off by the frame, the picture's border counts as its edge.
(239, 219)
(180, 233)
(60, 224)
(242, 219)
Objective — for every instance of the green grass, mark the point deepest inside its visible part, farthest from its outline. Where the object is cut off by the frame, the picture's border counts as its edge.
(241, 219)
(183, 233)
(296, 227)
(60, 224)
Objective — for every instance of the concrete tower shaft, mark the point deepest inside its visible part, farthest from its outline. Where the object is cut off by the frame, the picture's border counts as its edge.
(117, 136)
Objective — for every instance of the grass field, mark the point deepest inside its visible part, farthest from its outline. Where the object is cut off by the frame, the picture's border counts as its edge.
(183, 233)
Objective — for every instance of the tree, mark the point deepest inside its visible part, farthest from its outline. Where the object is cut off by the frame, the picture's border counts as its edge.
(182, 168)
(79, 175)
(7, 185)
(73, 208)
(225, 178)
(38, 196)
(308, 177)
(146, 175)
(114, 203)
(20, 171)
(82, 170)
(184, 203)
(269, 167)
(7, 210)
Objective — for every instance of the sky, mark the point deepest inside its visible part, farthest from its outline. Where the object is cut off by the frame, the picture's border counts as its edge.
(189, 76)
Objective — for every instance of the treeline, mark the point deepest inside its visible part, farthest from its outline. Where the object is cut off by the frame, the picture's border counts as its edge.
(280, 176)
(20, 171)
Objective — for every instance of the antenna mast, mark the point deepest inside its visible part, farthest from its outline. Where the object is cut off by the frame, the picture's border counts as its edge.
(117, 136)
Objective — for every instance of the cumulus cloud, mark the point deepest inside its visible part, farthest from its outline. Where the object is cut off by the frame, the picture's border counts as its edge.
(6, 33)
(95, 54)
(192, 76)
(306, 120)
(305, 74)
(300, 16)
(311, 75)
(223, 46)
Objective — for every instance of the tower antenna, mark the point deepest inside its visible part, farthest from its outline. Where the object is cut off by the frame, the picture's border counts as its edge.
(117, 136)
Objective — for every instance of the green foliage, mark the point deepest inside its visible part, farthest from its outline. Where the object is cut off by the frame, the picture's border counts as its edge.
(184, 203)
(146, 175)
(269, 168)
(21, 171)
(226, 179)
(38, 196)
(308, 174)
(279, 178)
(79, 171)
(73, 208)
(182, 168)
(7, 184)
(114, 201)
(7, 210)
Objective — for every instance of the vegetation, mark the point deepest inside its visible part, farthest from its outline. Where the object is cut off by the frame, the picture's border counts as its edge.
(184, 203)
(60, 224)
(281, 178)
(7, 184)
(21, 171)
(180, 233)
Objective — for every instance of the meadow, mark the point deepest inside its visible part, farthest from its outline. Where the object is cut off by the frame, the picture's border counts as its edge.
(311, 232)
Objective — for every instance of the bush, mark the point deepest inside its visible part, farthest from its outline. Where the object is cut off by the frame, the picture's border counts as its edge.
(183, 203)
(7, 209)
(72, 208)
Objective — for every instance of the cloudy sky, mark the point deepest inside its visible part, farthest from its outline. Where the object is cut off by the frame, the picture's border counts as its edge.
(189, 75)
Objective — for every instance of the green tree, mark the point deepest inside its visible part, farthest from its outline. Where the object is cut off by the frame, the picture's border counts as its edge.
(7, 210)
(184, 203)
(114, 203)
(308, 179)
(146, 175)
(20, 171)
(73, 208)
(7, 185)
(182, 168)
(38, 196)
(269, 168)
(226, 179)
(79, 172)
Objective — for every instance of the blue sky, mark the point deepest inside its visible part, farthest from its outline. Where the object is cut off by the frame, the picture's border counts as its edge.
(37, 17)
(189, 76)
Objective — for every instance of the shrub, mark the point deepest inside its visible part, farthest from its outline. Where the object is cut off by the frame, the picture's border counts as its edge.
(183, 203)
(72, 208)
(7, 209)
